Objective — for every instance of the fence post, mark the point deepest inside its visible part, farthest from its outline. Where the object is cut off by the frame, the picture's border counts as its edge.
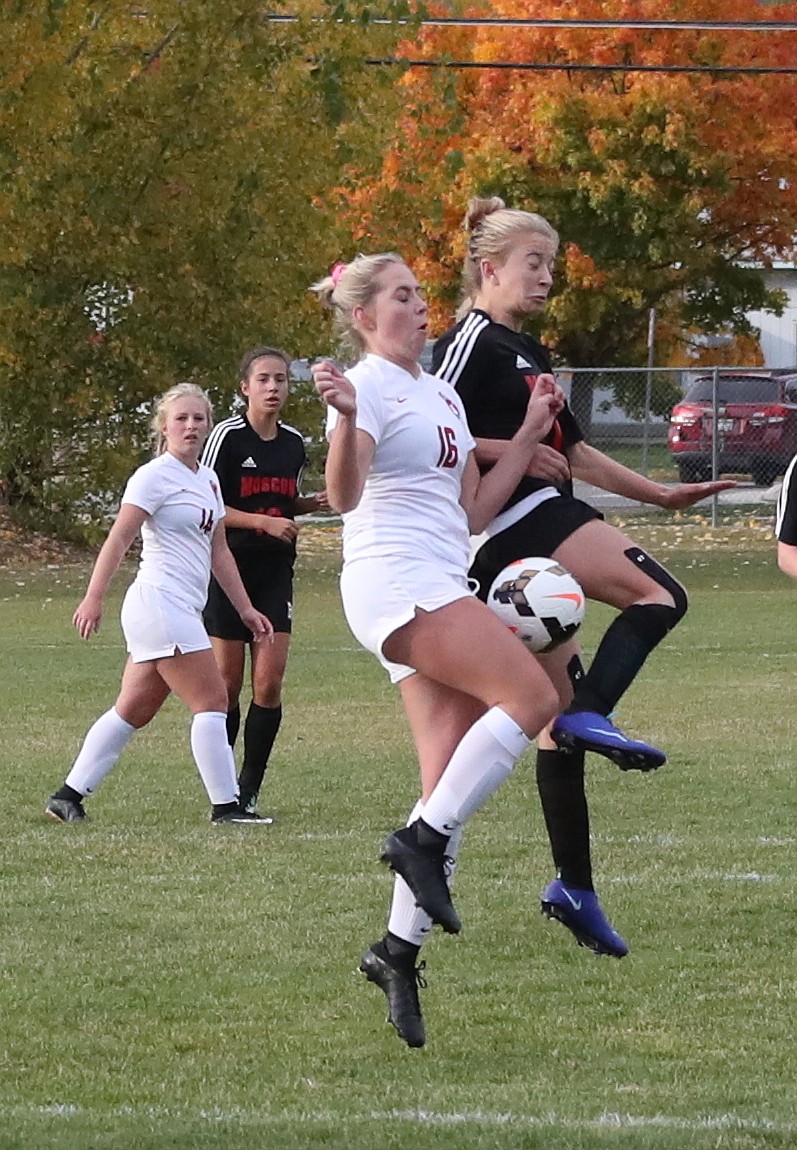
(715, 450)
(648, 389)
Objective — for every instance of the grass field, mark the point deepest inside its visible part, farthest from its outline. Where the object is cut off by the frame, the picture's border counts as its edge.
(167, 984)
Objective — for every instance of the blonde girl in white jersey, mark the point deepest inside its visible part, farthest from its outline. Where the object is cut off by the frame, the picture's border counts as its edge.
(401, 471)
(175, 503)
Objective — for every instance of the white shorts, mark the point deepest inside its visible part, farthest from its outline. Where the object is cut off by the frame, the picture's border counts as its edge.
(381, 595)
(156, 627)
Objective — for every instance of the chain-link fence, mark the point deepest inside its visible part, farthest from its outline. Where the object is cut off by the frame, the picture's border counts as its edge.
(661, 422)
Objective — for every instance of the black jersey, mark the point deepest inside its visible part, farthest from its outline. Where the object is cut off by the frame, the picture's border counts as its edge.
(786, 514)
(257, 475)
(492, 368)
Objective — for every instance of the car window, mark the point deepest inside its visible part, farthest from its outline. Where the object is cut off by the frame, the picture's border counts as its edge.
(742, 390)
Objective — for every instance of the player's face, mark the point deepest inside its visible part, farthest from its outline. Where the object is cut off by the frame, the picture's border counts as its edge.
(394, 325)
(266, 385)
(523, 281)
(186, 427)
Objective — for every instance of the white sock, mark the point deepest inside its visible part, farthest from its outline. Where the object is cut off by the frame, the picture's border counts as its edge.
(213, 756)
(482, 761)
(101, 749)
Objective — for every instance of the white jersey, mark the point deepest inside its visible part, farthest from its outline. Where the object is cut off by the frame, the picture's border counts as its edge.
(184, 509)
(410, 504)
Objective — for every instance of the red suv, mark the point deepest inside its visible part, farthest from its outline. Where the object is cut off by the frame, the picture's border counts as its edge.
(756, 426)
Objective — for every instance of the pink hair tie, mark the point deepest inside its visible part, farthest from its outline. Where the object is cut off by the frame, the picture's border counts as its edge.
(337, 271)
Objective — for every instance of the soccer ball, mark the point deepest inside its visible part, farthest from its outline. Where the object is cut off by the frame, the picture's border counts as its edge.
(540, 601)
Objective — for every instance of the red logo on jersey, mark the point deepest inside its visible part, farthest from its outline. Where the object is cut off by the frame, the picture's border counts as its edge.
(267, 485)
(451, 404)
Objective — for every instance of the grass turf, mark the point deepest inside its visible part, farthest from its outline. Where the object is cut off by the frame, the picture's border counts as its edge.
(166, 983)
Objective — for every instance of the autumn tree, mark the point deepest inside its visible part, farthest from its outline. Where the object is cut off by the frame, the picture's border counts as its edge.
(669, 189)
(163, 168)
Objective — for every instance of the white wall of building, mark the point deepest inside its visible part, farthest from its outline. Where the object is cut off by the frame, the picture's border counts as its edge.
(779, 333)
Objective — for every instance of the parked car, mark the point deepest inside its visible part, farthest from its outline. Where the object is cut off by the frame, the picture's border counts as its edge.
(756, 426)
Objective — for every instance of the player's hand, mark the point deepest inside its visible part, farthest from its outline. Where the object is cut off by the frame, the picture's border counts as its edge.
(545, 402)
(548, 463)
(321, 501)
(279, 527)
(259, 624)
(87, 616)
(686, 494)
(333, 387)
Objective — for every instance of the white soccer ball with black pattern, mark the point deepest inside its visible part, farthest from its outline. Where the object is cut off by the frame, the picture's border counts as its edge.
(540, 601)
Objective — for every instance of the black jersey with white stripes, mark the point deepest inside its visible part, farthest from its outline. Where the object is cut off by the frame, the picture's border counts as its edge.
(786, 512)
(257, 475)
(492, 368)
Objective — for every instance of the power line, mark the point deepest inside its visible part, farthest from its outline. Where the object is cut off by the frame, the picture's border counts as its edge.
(506, 22)
(506, 65)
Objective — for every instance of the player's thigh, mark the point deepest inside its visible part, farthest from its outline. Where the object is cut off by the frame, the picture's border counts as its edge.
(142, 693)
(269, 661)
(464, 646)
(439, 717)
(196, 679)
(598, 555)
(231, 659)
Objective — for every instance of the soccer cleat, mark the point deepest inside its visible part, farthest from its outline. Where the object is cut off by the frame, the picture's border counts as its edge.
(582, 914)
(250, 806)
(590, 731)
(239, 815)
(401, 988)
(64, 811)
(423, 869)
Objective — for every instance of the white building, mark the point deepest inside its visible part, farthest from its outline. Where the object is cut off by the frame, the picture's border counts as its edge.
(779, 332)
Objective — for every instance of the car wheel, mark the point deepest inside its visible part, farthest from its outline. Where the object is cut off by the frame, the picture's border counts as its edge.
(691, 472)
(764, 474)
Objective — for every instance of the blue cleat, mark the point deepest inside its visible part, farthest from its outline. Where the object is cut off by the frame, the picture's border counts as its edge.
(581, 913)
(590, 731)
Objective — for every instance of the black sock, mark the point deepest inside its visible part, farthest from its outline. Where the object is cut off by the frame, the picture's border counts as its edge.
(260, 731)
(233, 724)
(620, 655)
(69, 793)
(560, 782)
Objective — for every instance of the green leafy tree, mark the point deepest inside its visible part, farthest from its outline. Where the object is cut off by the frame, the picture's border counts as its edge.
(164, 171)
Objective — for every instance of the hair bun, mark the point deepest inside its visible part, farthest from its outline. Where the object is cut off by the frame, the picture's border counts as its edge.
(478, 208)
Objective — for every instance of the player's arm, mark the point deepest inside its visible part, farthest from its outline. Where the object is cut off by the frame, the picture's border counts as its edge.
(483, 496)
(225, 571)
(545, 463)
(305, 504)
(277, 525)
(787, 558)
(351, 450)
(592, 466)
(126, 526)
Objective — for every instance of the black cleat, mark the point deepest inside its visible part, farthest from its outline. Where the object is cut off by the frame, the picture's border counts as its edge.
(239, 815)
(250, 806)
(423, 869)
(64, 811)
(401, 988)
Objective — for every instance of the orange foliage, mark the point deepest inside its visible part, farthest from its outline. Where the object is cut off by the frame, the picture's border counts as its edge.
(656, 181)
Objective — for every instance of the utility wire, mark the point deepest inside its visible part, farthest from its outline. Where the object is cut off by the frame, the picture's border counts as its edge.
(506, 22)
(712, 69)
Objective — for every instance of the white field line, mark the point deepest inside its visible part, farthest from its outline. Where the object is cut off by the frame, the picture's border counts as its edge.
(483, 1118)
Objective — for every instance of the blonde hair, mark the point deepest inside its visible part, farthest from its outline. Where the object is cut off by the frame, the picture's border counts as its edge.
(161, 410)
(349, 286)
(492, 228)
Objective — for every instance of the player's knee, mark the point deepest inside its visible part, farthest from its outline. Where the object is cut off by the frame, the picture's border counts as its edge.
(672, 612)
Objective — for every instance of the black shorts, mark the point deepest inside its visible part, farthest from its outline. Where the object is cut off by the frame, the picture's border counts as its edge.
(537, 534)
(269, 584)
